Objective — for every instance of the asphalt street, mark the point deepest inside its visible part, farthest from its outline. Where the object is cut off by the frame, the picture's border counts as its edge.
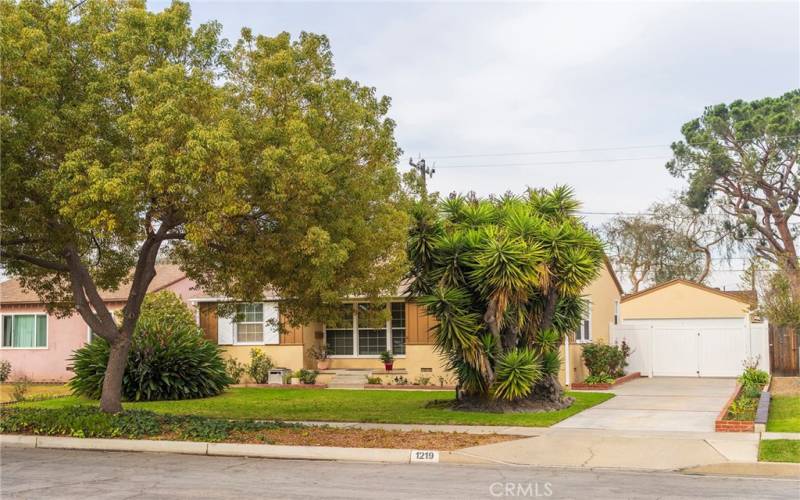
(40, 473)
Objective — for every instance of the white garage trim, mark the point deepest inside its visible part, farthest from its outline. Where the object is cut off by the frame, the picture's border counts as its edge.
(693, 347)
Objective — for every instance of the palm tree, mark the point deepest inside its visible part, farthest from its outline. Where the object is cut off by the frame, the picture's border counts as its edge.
(503, 276)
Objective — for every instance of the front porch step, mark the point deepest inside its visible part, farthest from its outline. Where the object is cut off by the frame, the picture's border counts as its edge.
(345, 379)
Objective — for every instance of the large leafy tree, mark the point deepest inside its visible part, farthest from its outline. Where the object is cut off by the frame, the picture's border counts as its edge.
(504, 278)
(741, 158)
(125, 132)
(670, 241)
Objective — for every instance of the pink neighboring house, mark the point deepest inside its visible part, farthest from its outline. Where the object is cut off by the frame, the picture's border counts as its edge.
(39, 345)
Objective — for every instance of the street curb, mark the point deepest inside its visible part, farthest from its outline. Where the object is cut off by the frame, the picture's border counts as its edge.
(762, 469)
(380, 455)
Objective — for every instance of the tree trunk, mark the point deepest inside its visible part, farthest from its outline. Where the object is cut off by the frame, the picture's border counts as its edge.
(111, 398)
(549, 312)
(548, 389)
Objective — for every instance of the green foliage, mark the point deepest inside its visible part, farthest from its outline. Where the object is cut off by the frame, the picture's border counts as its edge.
(742, 157)
(259, 367)
(5, 369)
(517, 371)
(319, 352)
(422, 380)
(502, 275)
(374, 380)
(601, 378)
(605, 360)
(743, 408)
(168, 359)
(126, 130)
(752, 379)
(87, 422)
(21, 386)
(387, 357)
(778, 304)
(307, 376)
(235, 370)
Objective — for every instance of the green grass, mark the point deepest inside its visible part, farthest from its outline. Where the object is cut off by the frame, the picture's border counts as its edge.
(779, 450)
(398, 407)
(34, 391)
(784, 414)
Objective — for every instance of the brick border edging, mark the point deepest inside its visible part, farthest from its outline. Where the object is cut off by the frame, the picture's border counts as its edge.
(411, 386)
(582, 386)
(722, 425)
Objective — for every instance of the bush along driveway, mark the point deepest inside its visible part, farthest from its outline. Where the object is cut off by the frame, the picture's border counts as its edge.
(428, 407)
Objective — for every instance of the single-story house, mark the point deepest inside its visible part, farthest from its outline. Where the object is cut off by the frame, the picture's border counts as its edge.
(39, 345)
(683, 328)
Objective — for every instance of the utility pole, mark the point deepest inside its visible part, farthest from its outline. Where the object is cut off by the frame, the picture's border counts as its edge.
(424, 171)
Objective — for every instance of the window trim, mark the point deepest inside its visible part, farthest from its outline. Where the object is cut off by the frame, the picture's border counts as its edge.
(588, 318)
(34, 314)
(237, 323)
(354, 333)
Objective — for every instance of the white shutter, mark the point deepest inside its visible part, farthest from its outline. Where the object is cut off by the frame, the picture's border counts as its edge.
(271, 330)
(224, 330)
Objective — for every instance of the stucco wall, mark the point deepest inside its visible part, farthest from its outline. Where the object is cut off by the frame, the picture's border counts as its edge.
(681, 300)
(64, 335)
(602, 293)
(49, 364)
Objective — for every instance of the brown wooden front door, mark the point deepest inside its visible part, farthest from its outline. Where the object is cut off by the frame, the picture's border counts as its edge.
(783, 351)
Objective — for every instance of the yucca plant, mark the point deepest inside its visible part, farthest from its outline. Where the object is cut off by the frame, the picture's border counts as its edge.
(504, 277)
(169, 358)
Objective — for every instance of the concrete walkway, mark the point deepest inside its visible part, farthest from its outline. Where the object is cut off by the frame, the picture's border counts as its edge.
(658, 404)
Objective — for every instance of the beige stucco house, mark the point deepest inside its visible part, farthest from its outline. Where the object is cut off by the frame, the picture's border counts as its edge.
(39, 345)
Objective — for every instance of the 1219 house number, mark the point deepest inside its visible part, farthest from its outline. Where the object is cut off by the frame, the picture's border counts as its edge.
(424, 456)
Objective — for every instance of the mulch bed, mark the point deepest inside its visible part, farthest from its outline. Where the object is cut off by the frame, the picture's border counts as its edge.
(785, 386)
(499, 406)
(411, 386)
(368, 438)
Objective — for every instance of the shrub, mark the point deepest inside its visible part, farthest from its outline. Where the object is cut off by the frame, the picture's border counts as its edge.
(606, 360)
(235, 370)
(422, 380)
(20, 388)
(516, 373)
(307, 376)
(387, 357)
(374, 380)
(169, 358)
(259, 367)
(83, 421)
(599, 379)
(5, 369)
(752, 379)
(319, 352)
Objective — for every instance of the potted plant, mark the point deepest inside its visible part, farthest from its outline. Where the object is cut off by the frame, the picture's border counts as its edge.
(388, 360)
(320, 354)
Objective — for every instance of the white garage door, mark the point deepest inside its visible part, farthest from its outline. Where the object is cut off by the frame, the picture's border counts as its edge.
(691, 348)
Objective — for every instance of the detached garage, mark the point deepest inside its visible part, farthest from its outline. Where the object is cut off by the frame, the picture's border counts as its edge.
(685, 329)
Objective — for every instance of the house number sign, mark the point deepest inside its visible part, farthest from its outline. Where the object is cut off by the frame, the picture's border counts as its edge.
(428, 456)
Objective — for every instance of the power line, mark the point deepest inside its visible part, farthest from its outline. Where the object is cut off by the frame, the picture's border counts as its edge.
(577, 150)
(570, 162)
(555, 151)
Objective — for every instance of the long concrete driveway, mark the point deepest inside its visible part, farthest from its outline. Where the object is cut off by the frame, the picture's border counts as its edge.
(658, 404)
(652, 424)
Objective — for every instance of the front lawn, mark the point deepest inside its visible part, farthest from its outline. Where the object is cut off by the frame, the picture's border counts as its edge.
(784, 414)
(35, 391)
(779, 450)
(397, 407)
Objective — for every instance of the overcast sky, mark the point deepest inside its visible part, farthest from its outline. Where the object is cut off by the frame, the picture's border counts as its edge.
(505, 79)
